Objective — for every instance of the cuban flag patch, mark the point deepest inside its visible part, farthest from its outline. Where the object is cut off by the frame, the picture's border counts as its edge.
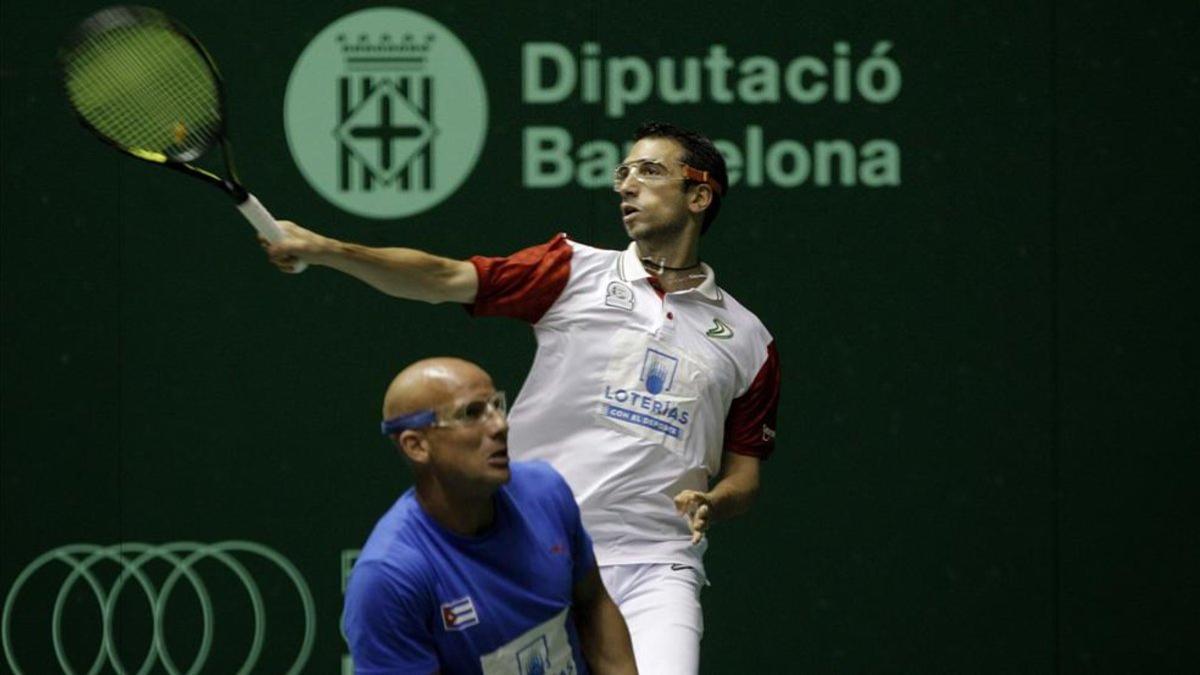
(459, 614)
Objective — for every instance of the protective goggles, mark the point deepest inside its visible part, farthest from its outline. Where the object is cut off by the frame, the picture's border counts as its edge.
(654, 172)
(475, 412)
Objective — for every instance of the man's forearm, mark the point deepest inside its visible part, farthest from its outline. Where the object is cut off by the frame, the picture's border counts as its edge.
(735, 493)
(730, 499)
(603, 635)
(605, 639)
(402, 272)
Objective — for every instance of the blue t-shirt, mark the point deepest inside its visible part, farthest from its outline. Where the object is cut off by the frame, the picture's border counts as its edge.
(422, 599)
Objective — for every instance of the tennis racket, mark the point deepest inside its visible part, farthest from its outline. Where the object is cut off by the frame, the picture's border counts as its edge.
(145, 85)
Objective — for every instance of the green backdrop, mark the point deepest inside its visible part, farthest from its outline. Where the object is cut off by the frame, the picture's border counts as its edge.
(988, 435)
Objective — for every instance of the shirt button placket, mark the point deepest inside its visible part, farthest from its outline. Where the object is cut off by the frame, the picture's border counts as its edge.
(666, 318)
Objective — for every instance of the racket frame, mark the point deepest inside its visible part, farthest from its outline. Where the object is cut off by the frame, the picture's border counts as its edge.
(232, 184)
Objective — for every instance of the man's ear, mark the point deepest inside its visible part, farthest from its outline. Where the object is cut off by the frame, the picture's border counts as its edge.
(412, 445)
(701, 198)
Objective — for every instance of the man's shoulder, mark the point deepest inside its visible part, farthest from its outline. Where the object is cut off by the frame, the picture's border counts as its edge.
(537, 482)
(741, 315)
(535, 475)
(399, 558)
(581, 251)
(400, 570)
(394, 539)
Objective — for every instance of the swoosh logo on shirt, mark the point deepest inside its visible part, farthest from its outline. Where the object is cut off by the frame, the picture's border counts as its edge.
(720, 330)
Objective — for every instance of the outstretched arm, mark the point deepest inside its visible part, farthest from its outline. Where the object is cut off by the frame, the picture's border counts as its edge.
(603, 635)
(400, 272)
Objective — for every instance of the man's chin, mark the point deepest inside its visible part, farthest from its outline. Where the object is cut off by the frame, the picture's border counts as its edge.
(636, 230)
(500, 475)
(659, 232)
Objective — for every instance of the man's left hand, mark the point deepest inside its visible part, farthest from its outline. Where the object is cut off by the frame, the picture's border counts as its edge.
(695, 506)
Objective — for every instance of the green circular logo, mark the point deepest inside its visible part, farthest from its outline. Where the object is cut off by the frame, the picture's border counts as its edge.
(385, 112)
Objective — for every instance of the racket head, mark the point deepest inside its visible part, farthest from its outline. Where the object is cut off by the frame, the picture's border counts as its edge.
(141, 82)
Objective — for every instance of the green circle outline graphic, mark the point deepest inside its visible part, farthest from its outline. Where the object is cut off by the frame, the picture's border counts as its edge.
(81, 558)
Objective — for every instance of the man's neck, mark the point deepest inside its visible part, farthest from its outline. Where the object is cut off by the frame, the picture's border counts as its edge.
(674, 252)
(675, 262)
(468, 515)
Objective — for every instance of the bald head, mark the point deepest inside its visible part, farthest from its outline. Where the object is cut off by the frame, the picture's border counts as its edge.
(459, 453)
(431, 384)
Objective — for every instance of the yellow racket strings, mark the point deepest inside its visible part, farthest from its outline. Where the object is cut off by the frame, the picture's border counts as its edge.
(146, 88)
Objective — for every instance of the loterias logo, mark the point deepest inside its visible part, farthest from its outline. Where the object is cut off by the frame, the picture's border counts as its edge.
(385, 113)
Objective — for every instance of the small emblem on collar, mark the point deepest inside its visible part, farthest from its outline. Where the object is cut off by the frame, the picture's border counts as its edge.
(619, 295)
(720, 330)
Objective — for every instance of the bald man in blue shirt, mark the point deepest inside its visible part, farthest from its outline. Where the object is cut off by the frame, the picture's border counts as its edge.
(483, 566)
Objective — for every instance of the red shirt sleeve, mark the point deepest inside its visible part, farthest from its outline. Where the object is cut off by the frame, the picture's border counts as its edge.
(525, 284)
(750, 425)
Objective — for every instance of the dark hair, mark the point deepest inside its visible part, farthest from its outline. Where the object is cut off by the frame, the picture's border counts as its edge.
(698, 153)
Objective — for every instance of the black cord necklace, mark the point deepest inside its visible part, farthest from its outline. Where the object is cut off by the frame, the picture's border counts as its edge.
(664, 268)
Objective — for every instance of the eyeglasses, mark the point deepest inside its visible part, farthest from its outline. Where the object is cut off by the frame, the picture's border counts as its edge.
(469, 414)
(654, 172)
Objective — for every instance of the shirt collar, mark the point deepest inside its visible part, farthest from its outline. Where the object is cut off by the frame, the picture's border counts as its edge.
(630, 268)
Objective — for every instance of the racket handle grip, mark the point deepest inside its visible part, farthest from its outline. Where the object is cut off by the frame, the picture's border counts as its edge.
(264, 222)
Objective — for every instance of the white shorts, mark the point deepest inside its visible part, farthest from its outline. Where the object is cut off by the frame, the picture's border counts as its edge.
(661, 605)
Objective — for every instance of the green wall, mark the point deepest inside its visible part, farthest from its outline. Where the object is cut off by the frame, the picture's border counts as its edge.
(988, 436)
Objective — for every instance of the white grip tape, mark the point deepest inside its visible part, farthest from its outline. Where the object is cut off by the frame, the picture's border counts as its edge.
(264, 222)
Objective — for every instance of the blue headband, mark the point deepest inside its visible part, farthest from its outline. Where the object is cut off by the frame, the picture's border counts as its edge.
(416, 420)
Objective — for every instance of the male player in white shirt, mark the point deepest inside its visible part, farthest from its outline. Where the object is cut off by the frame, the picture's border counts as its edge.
(649, 380)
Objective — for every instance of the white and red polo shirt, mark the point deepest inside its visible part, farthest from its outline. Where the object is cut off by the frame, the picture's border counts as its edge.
(634, 394)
